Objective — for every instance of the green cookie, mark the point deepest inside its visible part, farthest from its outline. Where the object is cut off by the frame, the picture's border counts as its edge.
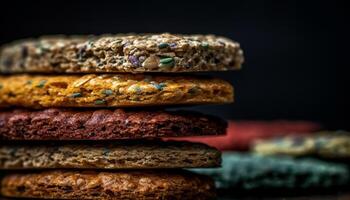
(248, 171)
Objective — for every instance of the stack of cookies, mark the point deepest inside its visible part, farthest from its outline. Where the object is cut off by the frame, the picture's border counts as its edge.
(83, 117)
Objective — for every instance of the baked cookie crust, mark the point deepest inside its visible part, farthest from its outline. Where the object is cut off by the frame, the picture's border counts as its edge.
(104, 124)
(133, 53)
(121, 90)
(109, 185)
(145, 154)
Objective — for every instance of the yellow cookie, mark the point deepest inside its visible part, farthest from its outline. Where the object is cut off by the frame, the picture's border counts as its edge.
(122, 90)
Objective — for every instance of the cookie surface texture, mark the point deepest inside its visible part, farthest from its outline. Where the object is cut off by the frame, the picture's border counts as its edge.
(122, 53)
(123, 90)
(103, 124)
(109, 185)
(135, 154)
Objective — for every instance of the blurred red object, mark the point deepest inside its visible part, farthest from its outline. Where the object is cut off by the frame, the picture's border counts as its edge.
(241, 134)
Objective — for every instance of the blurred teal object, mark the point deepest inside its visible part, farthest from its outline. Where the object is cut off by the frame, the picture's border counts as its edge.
(250, 171)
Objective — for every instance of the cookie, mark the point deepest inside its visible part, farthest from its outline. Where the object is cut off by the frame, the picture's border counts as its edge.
(123, 90)
(103, 124)
(241, 134)
(327, 144)
(132, 154)
(251, 172)
(109, 185)
(122, 53)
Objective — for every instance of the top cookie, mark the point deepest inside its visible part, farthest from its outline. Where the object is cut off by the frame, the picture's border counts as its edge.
(134, 53)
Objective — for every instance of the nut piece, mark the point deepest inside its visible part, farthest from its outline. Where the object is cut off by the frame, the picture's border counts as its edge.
(151, 62)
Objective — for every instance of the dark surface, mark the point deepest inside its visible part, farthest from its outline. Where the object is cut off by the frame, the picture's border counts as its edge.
(294, 67)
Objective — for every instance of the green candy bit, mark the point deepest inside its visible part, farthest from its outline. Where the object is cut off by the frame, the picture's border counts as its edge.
(138, 90)
(29, 82)
(106, 151)
(107, 92)
(41, 84)
(135, 99)
(205, 45)
(100, 102)
(193, 90)
(167, 62)
(76, 95)
(166, 65)
(159, 86)
(163, 45)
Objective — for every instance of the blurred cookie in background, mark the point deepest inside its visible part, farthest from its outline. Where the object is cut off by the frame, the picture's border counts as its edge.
(241, 134)
(325, 144)
(247, 171)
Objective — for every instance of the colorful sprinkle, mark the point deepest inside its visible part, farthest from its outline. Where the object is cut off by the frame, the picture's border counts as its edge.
(138, 90)
(41, 84)
(107, 92)
(106, 151)
(135, 89)
(163, 45)
(205, 45)
(193, 90)
(76, 95)
(159, 86)
(100, 102)
(134, 61)
(167, 62)
(172, 45)
(135, 99)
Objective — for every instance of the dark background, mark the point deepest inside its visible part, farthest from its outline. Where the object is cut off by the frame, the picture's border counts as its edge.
(296, 57)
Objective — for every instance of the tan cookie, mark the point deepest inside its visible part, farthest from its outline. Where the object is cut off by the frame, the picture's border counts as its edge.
(122, 53)
(133, 154)
(329, 144)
